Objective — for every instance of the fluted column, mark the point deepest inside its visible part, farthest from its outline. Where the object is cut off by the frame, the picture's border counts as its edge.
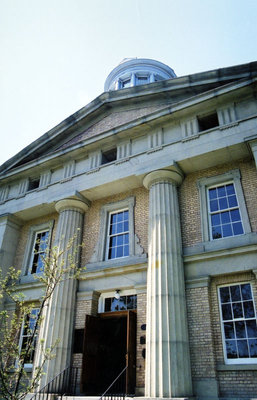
(59, 320)
(168, 372)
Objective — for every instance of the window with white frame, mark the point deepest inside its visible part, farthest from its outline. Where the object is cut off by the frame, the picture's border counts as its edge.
(38, 255)
(239, 325)
(37, 246)
(224, 213)
(222, 206)
(28, 337)
(118, 234)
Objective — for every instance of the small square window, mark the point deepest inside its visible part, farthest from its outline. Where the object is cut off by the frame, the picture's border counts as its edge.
(33, 184)
(239, 324)
(209, 121)
(109, 156)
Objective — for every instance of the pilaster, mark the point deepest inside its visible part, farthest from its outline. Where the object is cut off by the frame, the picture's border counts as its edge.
(168, 371)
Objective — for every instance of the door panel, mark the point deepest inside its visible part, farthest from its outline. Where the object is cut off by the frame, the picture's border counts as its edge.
(90, 355)
(131, 353)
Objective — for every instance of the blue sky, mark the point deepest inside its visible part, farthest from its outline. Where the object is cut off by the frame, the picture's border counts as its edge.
(56, 54)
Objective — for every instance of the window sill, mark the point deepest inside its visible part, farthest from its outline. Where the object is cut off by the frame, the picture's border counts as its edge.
(116, 262)
(236, 367)
(222, 244)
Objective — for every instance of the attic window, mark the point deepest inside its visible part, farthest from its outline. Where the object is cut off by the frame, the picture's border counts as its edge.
(109, 156)
(208, 121)
(33, 184)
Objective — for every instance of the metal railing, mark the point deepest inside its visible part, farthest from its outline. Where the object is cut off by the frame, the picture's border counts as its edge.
(117, 389)
(65, 383)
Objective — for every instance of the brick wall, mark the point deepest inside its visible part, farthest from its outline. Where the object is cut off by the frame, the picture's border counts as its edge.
(190, 205)
(200, 333)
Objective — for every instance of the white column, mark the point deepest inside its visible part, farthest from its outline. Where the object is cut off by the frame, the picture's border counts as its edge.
(59, 321)
(168, 371)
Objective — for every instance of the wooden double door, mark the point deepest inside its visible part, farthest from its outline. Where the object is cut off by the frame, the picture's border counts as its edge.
(109, 346)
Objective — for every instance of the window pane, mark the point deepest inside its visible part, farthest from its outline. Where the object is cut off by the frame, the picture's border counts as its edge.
(226, 230)
(231, 348)
(225, 217)
(235, 293)
(113, 241)
(107, 304)
(119, 251)
(215, 219)
(253, 347)
(120, 217)
(246, 291)
(251, 327)
(238, 228)
(249, 309)
(216, 232)
(213, 193)
(229, 330)
(126, 251)
(240, 329)
(226, 312)
(119, 240)
(232, 201)
(126, 226)
(223, 203)
(224, 295)
(120, 227)
(113, 229)
(214, 205)
(235, 215)
(230, 189)
(237, 310)
(242, 349)
(221, 191)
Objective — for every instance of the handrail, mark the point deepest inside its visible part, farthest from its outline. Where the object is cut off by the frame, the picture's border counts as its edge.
(63, 383)
(112, 384)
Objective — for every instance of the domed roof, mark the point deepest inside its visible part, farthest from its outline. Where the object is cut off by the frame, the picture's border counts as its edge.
(137, 71)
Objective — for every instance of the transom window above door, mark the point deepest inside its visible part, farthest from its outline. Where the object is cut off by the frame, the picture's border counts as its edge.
(123, 303)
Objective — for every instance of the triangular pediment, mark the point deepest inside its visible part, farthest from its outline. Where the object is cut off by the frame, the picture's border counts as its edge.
(113, 110)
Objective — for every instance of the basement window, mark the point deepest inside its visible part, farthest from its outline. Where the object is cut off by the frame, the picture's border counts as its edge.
(109, 156)
(208, 121)
(33, 184)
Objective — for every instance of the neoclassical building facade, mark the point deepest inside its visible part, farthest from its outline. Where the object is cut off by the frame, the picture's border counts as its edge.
(157, 179)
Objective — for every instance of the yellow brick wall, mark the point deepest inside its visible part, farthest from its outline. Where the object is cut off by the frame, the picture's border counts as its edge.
(141, 320)
(190, 203)
(200, 333)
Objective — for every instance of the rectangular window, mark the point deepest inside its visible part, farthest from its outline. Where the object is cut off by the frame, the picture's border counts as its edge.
(109, 156)
(33, 184)
(118, 235)
(28, 334)
(121, 303)
(209, 121)
(239, 327)
(224, 213)
(40, 247)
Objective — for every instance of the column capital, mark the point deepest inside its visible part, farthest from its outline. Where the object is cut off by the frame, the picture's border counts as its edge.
(74, 204)
(174, 175)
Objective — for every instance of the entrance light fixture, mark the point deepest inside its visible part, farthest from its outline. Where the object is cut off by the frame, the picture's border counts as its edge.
(117, 294)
